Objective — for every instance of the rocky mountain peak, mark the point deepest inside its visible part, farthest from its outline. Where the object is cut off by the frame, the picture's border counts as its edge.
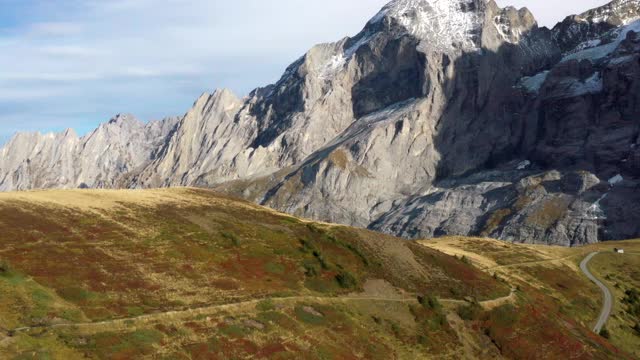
(442, 24)
(512, 24)
(587, 28)
(618, 12)
(447, 25)
(226, 98)
(125, 121)
(70, 133)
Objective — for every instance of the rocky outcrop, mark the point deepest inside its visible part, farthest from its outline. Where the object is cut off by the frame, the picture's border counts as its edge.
(97, 160)
(439, 117)
(590, 27)
(206, 138)
(38, 161)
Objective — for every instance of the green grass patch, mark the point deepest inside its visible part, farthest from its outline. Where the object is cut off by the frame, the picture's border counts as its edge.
(470, 312)
(311, 268)
(274, 268)
(266, 305)
(134, 344)
(234, 330)
(289, 220)
(42, 302)
(321, 285)
(349, 246)
(233, 239)
(74, 315)
(430, 302)
(135, 311)
(13, 277)
(77, 294)
(346, 280)
(307, 315)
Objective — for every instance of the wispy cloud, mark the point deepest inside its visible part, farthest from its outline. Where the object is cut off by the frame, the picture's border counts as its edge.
(90, 59)
(24, 95)
(70, 51)
(55, 29)
(85, 60)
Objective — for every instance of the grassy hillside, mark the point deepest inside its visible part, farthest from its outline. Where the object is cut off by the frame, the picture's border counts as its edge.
(189, 274)
(551, 276)
(621, 274)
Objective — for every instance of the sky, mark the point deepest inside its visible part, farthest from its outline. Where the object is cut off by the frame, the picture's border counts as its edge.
(76, 63)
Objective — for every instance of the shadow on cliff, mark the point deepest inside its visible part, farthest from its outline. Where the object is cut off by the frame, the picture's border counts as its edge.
(490, 121)
(485, 122)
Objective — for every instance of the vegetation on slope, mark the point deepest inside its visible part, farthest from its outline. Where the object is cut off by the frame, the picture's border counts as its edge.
(189, 274)
(621, 274)
(556, 306)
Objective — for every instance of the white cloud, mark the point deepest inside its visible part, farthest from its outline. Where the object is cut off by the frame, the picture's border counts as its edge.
(70, 51)
(55, 29)
(23, 95)
(48, 77)
(154, 57)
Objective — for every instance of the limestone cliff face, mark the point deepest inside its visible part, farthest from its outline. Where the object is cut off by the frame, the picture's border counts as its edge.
(511, 135)
(97, 160)
(440, 117)
(462, 111)
(206, 138)
(38, 161)
(572, 176)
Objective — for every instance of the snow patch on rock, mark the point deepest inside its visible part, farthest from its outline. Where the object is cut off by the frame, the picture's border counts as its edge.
(616, 180)
(524, 165)
(441, 24)
(615, 9)
(593, 50)
(569, 87)
(592, 85)
(339, 60)
(534, 83)
(597, 213)
(622, 59)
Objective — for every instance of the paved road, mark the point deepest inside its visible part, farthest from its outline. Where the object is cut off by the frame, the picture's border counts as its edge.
(608, 298)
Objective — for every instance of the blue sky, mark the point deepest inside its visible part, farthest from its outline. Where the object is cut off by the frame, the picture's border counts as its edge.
(76, 63)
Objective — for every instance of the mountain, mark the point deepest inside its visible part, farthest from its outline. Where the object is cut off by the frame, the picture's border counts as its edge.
(97, 160)
(439, 117)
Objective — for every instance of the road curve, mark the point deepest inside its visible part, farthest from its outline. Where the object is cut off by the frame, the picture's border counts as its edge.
(607, 306)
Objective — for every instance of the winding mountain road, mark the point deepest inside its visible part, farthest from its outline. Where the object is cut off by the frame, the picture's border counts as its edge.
(607, 306)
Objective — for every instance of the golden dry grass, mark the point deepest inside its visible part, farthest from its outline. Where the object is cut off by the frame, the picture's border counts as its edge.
(188, 273)
(103, 271)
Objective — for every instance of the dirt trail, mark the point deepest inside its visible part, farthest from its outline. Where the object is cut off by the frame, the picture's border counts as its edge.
(129, 323)
(533, 262)
(486, 304)
(451, 247)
